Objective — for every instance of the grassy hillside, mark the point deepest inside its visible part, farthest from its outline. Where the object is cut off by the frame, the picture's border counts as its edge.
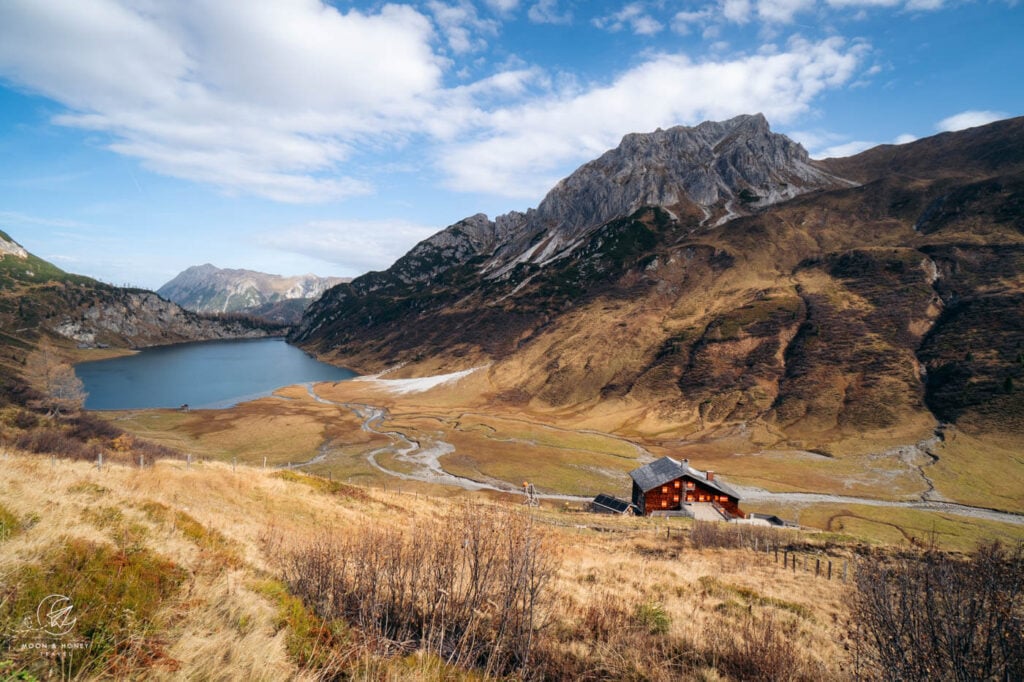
(183, 573)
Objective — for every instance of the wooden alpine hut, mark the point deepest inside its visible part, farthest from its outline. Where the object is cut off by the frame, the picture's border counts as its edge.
(669, 485)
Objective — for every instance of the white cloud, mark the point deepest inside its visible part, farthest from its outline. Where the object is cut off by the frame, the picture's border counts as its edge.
(683, 21)
(845, 149)
(863, 3)
(266, 101)
(503, 6)
(522, 149)
(968, 119)
(823, 144)
(354, 246)
(461, 25)
(548, 12)
(782, 11)
(737, 11)
(633, 16)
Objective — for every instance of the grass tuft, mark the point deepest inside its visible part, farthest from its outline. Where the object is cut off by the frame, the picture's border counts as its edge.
(115, 595)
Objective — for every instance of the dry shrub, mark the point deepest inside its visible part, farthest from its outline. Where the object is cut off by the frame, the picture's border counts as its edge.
(84, 436)
(938, 617)
(714, 535)
(468, 587)
(85, 427)
(607, 638)
(760, 648)
(55, 441)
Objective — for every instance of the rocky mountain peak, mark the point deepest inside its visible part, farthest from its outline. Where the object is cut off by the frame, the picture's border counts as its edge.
(207, 288)
(719, 170)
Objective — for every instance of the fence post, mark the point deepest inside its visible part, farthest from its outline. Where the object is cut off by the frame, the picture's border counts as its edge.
(785, 557)
(817, 567)
(264, 462)
(234, 463)
(830, 569)
(99, 460)
(188, 461)
(53, 460)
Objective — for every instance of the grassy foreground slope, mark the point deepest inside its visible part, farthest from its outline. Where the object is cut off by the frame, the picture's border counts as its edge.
(177, 573)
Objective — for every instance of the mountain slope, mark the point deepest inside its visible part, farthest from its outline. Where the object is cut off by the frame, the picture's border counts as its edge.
(206, 288)
(870, 294)
(38, 299)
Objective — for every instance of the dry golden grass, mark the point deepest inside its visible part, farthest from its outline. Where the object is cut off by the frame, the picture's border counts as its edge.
(225, 528)
(987, 472)
(221, 525)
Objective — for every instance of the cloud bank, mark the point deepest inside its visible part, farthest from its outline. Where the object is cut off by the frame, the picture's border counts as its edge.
(283, 99)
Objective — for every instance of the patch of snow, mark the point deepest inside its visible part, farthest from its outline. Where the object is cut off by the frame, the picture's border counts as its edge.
(419, 384)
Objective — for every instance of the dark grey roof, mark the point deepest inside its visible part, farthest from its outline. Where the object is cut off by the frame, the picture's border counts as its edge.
(611, 503)
(661, 471)
(658, 472)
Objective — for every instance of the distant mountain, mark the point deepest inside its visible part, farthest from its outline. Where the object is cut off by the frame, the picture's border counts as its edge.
(39, 299)
(206, 288)
(715, 278)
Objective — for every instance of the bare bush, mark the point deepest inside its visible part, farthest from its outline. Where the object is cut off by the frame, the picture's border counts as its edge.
(938, 617)
(55, 441)
(760, 648)
(468, 587)
(713, 535)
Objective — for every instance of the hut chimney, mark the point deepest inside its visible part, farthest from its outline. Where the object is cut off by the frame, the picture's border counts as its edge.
(711, 475)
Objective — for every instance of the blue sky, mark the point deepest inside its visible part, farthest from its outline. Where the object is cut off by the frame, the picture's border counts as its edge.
(140, 137)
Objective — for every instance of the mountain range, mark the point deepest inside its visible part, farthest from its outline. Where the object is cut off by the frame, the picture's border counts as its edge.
(206, 288)
(714, 280)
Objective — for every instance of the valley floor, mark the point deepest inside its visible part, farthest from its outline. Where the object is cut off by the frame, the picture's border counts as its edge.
(425, 436)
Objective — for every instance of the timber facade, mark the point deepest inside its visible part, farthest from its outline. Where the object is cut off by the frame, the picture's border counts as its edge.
(668, 485)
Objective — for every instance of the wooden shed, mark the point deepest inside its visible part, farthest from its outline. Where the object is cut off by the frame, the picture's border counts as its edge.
(667, 485)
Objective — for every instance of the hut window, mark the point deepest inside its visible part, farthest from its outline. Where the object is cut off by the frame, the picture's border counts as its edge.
(664, 488)
(675, 498)
(689, 485)
(664, 503)
(677, 483)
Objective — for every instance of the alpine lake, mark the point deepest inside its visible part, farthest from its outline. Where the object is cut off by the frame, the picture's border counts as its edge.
(203, 375)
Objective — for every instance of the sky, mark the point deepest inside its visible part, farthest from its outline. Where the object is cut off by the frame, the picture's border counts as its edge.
(140, 137)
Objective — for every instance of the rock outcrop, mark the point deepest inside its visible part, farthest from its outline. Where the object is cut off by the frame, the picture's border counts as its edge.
(138, 319)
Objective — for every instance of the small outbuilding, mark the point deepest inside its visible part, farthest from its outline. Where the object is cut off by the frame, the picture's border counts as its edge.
(606, 504)
(667, 485)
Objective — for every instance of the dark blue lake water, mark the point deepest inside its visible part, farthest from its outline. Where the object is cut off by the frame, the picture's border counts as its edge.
(214, 374)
